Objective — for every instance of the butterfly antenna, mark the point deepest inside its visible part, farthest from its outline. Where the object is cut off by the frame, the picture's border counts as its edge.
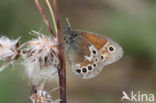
(68, 23)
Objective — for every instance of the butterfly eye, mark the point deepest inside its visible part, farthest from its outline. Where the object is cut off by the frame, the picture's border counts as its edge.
(111, 48)
(75, 35)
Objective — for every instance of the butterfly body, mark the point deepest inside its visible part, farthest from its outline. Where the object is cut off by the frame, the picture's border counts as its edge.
(88, 52)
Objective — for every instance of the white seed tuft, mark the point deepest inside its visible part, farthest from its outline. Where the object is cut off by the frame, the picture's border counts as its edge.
(41, 58)
(9, 51)
(40, 96)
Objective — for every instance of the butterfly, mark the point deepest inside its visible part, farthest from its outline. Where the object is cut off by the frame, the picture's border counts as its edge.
(89, 52)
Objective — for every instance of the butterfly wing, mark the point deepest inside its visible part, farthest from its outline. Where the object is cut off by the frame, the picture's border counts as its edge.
(109, 50)
(84, 58)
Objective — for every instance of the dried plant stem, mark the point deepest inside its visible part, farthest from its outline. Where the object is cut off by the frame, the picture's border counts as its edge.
(44, 17)
(52, 15)
(62, 70)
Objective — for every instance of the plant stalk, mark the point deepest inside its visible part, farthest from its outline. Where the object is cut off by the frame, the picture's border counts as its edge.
(62, 70)
(44, 18)
(62, 67)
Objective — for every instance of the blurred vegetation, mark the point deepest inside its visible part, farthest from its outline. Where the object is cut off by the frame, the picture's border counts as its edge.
(132, 23)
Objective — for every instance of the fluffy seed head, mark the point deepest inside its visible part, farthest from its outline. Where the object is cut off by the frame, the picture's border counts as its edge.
(40, 96)
(9, 51)
(41, 58)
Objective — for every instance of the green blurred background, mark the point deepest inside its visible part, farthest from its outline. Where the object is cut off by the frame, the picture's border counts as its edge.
(132, 23)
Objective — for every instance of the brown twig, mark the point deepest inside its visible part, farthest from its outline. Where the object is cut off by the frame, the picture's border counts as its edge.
(62, 69)
(44, 18)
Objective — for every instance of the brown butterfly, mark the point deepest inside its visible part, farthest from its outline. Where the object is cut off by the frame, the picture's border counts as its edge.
(89, 52)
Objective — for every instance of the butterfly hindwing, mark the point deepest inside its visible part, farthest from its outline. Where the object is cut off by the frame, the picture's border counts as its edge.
(109, 50)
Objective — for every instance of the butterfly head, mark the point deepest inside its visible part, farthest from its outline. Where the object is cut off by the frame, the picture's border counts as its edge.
(69, 35)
